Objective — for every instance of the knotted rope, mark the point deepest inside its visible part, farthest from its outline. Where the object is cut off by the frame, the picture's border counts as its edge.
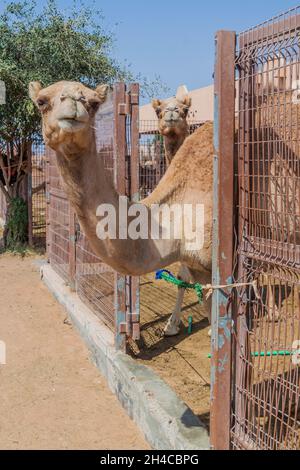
(167, 276)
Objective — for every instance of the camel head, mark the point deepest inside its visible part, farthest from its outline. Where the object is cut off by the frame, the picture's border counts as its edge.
(68, 110)
(172, 115)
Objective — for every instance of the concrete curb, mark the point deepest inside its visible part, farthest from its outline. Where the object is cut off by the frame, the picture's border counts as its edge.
(166, 421)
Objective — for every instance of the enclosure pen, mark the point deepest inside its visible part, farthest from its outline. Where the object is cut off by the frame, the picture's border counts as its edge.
(263, 378)
(110, 296)
(256, 223)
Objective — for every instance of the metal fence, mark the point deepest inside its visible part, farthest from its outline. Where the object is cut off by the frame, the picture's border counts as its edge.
(112, 297)
(59, 221)
(37, 194)
(95, 281)
(32, 189)
(257, 331)
(152, 164)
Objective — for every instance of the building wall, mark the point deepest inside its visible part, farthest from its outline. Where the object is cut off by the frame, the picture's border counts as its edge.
(202, 108)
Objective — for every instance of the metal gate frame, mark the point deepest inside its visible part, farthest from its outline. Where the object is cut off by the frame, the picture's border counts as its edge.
(126, 154)
(230, 334)
(223, 223)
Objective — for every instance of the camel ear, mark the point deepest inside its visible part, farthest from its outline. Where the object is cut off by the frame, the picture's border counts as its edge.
(156, 104)
(186, 101)
(34, 89)
(102, 91)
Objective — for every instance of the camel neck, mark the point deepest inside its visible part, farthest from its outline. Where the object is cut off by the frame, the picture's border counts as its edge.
(83, 173)
(172, 145)
(89, 186)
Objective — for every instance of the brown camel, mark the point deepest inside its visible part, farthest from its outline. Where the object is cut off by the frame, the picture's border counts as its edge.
(68, 110)
(173, 126)
(172, 123)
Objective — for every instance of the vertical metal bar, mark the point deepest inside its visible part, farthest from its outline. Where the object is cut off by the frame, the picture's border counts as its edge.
(134, 195)
(135, 159)
(29, 193)
(245, 217)
(223, 220)
(120, 182)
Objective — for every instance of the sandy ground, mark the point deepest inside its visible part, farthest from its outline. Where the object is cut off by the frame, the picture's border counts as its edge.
(52, 397)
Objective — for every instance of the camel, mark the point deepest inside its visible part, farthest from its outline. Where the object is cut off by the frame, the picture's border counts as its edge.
(68, 110)
(173, 126)
(172, 123)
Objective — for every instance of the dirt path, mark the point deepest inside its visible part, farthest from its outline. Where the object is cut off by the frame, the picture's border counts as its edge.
(52, 397)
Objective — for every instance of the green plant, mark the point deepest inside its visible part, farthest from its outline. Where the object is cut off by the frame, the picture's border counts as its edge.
(16, 230)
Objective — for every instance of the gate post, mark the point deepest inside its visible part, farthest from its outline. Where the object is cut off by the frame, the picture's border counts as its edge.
(134, 196)
(120, 183)
(223, 222)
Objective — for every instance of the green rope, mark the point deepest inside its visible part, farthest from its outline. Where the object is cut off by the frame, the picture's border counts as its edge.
(169, 277)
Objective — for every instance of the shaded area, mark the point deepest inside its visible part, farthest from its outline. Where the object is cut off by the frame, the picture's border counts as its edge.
(181, 360)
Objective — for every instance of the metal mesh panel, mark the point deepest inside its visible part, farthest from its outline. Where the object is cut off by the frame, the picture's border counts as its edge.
(266, 412)
(38, 168)
(152, 155)
(59, 224)
(95, 281)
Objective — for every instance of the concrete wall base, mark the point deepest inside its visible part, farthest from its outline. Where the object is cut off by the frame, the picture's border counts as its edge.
(166, 421)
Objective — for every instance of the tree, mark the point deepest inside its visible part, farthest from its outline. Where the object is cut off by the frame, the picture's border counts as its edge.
(48, 46)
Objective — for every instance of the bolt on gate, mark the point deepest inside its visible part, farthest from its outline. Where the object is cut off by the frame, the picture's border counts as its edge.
(113, 297)
(256, 331)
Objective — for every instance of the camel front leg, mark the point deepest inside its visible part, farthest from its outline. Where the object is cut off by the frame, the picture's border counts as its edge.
(204, 278)
(272, 309)
(173, 326)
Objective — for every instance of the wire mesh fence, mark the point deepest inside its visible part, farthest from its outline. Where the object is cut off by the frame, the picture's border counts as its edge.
(38, 193)
(95, 281)
(25, 176)
(109, 295)
(266, 412)
(153, 165)
(58, 222)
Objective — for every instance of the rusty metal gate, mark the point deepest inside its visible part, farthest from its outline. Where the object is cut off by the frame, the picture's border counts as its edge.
(256, 331)
(112, 297)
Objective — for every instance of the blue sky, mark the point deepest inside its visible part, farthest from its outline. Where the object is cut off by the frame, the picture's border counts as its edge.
(175, 38)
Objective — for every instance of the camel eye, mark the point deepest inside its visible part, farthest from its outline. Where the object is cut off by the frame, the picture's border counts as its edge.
(41, 102)
(94, 105)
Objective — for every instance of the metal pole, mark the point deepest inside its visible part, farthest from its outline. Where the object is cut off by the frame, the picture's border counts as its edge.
(223, 221)
(120, 182)
(134, 196)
